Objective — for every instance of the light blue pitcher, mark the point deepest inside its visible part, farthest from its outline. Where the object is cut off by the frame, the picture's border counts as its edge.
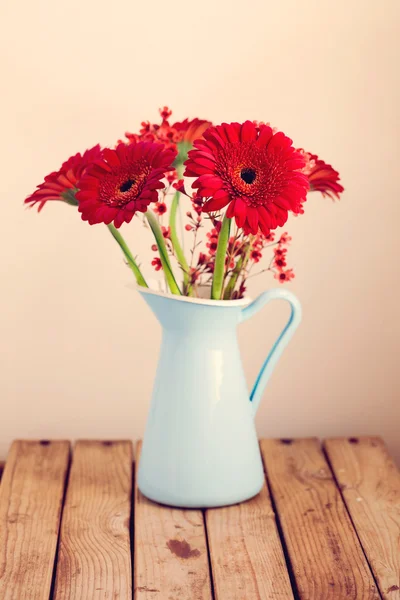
(200, 447)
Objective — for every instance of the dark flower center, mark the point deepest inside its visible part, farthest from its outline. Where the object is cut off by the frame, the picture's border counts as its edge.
(126, 186)
(248, 175)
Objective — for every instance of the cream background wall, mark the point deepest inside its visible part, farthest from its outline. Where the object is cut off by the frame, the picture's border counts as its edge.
(78, 348)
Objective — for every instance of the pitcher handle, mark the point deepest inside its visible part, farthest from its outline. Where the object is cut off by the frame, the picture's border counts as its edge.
(282, 341)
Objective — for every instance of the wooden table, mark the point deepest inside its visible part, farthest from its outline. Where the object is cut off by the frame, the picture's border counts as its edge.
(326, 525)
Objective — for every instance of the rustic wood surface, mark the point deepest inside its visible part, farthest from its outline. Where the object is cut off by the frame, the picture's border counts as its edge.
(170, 554)
(325, 526)
(94, 560)
(370, 484)
(324, 551)
(246, 554)
(31, 494)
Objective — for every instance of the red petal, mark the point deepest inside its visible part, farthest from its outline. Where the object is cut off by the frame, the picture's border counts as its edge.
(283, 202)
(252, 219)
(197, 169)
(265, 230)
(64, 181)
(264, 136)
(111, 157)
(210, 181)
(203, 154)
(206, 192)
(232, 132)
(215, 204)
(122, 151)
(240, 211)
(189, 173)
(248, 132)
(214, 137)
(265, 218)
(205, 163)
(279, 142)
(83, 195)
(294, 163)
(221, 194)
(230, 213)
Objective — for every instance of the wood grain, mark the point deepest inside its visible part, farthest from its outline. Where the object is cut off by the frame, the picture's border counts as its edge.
(31, 494)
(370, 484)
(94, 561)
(324, 551)
(170, 555)
(246, 554)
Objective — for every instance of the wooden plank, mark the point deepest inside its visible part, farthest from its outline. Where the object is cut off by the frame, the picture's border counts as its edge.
(31, 494)
(325, 554)
(370, 484)
(247, 559)
(94, 560)
(170, 556)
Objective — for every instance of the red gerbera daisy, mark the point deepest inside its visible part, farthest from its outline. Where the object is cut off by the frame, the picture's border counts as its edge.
(62, 184)
(253, 170)
(322, 177)
(122, 182)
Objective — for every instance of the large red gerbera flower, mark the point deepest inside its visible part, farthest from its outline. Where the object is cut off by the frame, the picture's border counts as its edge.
(62, 184)
(253, 170)
(322, 177)
(122, 182)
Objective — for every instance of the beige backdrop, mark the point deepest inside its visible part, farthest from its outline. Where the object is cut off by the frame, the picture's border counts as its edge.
(79, 349)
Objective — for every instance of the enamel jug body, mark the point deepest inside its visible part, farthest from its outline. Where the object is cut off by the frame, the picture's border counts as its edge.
(200, 447)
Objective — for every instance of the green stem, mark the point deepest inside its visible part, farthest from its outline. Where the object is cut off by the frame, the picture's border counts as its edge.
(180, 255)
(233, 279)
(240, 266)
(162, 249)
(131, 261)
(219, 268)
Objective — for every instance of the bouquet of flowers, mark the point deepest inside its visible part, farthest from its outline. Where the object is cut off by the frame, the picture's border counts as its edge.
(244, 181)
